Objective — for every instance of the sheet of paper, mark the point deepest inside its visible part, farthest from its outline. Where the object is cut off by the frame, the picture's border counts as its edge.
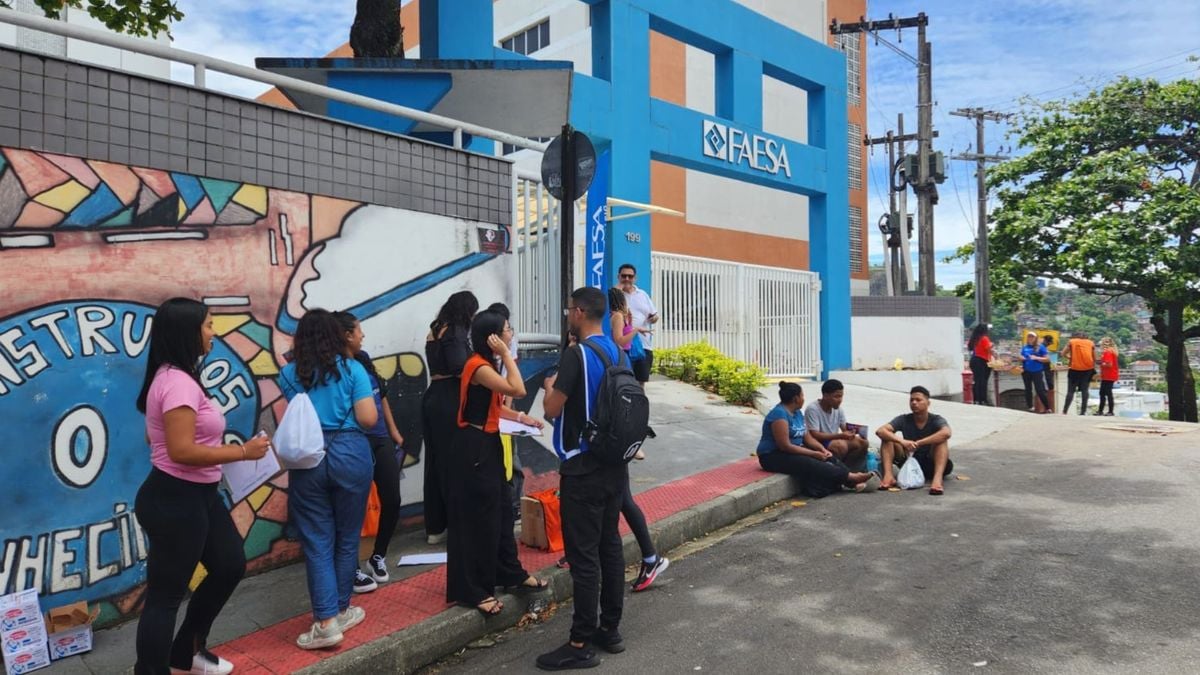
(246, 477)
(517, 429)
(421, 559)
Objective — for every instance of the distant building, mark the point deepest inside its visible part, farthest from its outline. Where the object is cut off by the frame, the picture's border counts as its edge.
(81, 50)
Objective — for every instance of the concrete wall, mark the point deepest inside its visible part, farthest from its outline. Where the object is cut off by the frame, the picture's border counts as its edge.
(118, 192)
(926, 334)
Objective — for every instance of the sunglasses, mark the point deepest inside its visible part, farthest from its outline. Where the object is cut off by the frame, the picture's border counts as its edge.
(627, 276)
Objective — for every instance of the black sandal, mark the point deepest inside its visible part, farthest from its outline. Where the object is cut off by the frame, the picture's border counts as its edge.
(537, 585)
(489, 606)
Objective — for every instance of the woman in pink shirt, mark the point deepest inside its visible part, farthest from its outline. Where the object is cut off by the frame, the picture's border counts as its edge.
(178, 505)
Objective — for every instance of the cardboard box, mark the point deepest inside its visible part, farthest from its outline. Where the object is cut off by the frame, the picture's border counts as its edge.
(22, 639)
(26, 660)
(19, 609)
(533, 524)
(70, 629)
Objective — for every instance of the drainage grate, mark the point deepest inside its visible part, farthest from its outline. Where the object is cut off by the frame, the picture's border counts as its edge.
(1160, 429)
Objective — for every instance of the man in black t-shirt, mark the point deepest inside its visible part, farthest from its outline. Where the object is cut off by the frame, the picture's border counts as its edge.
(590, 492)
(924, 436)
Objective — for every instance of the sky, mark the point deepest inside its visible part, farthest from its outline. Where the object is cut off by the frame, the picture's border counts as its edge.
(987, 53)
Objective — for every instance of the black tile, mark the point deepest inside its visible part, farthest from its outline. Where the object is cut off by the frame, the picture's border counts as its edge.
(118, 82)
(159, 143)
(32, 64)
(139, 139)
(139, 121)
(139, 87)
(118, 118)
(118, 100)
(97, 150)
(75, 146)
(118, 136)
(118, 153)
(54, 143)
(97, 132)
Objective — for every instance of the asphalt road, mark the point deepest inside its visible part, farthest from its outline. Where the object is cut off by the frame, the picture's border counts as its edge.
(1071, 549)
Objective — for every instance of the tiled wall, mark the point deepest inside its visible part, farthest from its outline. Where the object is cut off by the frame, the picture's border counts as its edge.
(64, 107)
(907, 305)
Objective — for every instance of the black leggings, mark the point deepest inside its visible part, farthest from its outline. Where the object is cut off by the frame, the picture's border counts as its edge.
(186, 523)
(637, 524)
(1106, 387)
(387, 484)
(1035, 381)
(439, 419)
(979, 390)
(817, 478)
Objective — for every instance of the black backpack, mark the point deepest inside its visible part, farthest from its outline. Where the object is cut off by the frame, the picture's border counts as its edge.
(621, 417)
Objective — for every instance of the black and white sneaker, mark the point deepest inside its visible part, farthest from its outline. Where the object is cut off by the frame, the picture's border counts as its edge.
(363, 583)
(649, 573)
(208, 663)
(377, 568)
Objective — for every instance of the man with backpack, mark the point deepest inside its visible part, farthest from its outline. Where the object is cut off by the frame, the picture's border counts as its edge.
(600, 414)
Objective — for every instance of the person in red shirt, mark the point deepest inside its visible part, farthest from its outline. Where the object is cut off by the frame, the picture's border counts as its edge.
(980, 346)
(1110, 370)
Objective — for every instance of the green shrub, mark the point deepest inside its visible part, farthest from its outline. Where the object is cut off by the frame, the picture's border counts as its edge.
(702, 364)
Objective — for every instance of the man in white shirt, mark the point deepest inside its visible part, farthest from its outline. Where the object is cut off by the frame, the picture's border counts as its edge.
(645, 315)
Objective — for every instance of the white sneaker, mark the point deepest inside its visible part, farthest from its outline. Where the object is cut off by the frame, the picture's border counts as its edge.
(350, 618)
(208, 663)
(363, 583)
(320, 638)
(435, 539)
(377, 568)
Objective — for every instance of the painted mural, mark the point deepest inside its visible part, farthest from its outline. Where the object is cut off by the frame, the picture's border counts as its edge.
(88, 249)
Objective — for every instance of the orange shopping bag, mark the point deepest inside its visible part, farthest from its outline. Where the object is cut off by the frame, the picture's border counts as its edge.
(550, 514)
(370, 526)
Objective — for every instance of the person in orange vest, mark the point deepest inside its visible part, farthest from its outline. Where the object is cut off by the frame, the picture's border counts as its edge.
(1080, 353)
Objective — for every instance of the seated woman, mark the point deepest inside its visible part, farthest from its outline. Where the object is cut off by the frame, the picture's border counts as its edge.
(787, 447)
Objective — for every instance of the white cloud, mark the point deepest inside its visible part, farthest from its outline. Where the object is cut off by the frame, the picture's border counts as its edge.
(239, 31)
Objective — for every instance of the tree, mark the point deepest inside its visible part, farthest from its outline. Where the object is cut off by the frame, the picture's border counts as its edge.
(135, 17)
(377, 30)
(1106, 196)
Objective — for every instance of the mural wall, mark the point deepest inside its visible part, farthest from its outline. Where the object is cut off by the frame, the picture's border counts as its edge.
(88, 249)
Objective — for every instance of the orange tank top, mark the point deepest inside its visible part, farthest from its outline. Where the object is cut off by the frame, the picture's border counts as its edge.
(470, 395)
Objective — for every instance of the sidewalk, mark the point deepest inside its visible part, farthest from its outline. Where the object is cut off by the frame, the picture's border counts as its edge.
(698, 476)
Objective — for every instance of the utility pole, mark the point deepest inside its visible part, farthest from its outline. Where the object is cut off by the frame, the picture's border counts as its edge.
(900, 278)
(983, 285)
(925, 181)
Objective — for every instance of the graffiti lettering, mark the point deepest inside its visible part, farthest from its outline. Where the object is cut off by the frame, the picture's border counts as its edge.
(215, 378)
(90, 323)
(82, 428)
(74, 557)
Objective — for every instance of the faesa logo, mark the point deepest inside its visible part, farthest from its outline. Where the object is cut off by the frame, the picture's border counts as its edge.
(732, 145)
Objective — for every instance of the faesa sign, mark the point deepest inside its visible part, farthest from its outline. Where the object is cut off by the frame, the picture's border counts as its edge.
(732, 145)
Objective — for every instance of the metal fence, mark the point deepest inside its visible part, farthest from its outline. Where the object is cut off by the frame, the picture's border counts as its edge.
(763, 315)
(537, 239)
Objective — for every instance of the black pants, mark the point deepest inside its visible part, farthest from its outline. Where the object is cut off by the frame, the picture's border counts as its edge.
(186, 523)
(642, 367)
(439, 420)
(1106, 394)
(387, 483)
(1035, 381)
(481, 552)
(637, 523)
(590, 506)
(1077, 379)
(979, 390)
(817, 478)
(1049, 374)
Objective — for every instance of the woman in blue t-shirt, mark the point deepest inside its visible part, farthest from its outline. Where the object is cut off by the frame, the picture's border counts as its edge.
(327, 502)
(1034, 359)
(787, 447)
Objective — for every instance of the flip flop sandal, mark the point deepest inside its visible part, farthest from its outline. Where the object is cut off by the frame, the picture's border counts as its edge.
(937, 492)
(489, 606)
(540, 585)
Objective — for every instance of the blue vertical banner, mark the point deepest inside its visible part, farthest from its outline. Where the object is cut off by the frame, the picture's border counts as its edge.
(597, 200)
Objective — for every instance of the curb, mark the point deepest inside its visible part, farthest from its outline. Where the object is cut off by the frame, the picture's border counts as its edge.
(441, 635)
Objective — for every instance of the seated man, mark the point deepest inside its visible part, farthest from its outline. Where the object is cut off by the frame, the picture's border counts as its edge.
(826, 422)
(925, 437)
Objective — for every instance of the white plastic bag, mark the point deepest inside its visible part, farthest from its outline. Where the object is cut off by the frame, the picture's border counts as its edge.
(298, 440)
(911, 476)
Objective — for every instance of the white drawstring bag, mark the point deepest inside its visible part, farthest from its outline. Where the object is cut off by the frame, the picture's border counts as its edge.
(298, 441)
(911, 476)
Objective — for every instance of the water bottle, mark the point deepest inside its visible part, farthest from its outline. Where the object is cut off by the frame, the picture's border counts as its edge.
(872, 461)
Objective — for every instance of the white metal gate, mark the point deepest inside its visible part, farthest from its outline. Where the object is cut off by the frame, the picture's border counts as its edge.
(537, 243)
(764, 315)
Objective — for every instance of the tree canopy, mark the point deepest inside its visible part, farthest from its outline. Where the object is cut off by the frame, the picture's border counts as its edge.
(135, 17)
(1105, 195)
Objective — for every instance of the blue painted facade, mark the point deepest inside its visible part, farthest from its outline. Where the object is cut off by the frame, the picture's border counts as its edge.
(613, 106)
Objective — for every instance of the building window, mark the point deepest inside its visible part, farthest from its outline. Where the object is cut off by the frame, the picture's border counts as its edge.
(855, 150)
(507, 149)
(856, 239)
(529, 40)
(850, 43)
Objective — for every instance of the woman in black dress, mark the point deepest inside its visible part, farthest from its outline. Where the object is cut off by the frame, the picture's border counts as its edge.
(481, 551)
(446, 350)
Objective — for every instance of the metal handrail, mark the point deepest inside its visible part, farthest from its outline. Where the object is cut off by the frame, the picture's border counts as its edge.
(202, 63)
